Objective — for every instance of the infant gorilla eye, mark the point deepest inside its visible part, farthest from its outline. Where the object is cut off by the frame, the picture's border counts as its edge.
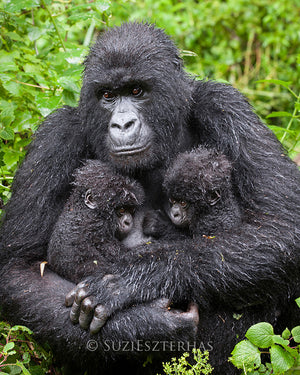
(184, 204)
(137, 91)
(121, 211)
(172, 200)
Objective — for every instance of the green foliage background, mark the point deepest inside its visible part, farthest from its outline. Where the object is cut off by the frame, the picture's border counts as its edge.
(241, 42)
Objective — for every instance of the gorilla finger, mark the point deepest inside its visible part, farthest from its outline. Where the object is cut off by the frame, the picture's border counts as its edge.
(86, 312)
(75, 310)
(70, 297)
(192, 313)
(99, 319)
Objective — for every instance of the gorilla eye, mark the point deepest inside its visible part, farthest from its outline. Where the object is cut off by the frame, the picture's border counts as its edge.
(183, 204)
(172, 201)
(137, 91)
(121, 211)
(108, 95)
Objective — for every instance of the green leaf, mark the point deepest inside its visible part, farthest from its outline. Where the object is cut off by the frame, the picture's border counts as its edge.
(261, 334)
(279, 340)
(7, 134)
(280, 359)
(9, 346)
(68, 85)
(12, 87)
(246, 354)
(21, 328)
(24, 369)
(276, 82)
(35, 33)
(296, 334)
(16, 6)
(286, 334)
(279, 130)
(280, 114)
(298, 301)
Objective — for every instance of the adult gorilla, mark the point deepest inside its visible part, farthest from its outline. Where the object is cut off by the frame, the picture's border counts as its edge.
(137, 110)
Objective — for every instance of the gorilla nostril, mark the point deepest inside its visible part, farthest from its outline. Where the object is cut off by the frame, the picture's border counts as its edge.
(129, 124)
(115, 126)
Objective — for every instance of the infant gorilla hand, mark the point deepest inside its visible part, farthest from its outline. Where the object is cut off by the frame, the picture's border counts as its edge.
(91, 315)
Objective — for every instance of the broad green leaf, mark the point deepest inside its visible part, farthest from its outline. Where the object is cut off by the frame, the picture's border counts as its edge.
(68, 85)
(296, 334)
(15, 6)
(7, 134)
(286, 334)
(12, 87)
(9, 346)
(280, 359)
(246, 354)
(298, 301)
(35, 33)
(261, 334)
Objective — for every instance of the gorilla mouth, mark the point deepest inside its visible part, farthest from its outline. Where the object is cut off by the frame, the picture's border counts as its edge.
(128, 151)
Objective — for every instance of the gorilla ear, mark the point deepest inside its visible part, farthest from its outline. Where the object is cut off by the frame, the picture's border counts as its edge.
(89, 200)
(214, 197)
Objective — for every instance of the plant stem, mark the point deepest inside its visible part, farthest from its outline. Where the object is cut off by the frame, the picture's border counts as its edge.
(292, 118)
(54, 24)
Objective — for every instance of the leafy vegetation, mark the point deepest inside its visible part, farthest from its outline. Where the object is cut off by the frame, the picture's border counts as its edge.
(42, 45)
(196, 366)
(19, 354)
(282, 351)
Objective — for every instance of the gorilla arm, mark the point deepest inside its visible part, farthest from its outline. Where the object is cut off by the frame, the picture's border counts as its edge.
(42, 301)
(41, 186)
(241, 268)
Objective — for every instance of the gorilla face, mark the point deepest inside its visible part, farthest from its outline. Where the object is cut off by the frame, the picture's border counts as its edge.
(129, 137)
(135, 99)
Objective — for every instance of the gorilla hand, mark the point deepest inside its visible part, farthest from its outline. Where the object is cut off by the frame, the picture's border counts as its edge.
(93, 316)
(86, 309)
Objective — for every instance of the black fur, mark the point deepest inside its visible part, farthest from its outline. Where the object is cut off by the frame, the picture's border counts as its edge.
(84, 239)
(201, 179)
(253, 268)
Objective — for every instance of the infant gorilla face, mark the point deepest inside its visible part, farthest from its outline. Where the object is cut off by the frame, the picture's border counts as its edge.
(127, 220)
(182, 213)
(179, 212)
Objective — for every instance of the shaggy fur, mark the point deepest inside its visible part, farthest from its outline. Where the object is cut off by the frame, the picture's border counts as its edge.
(253, 269)
(194, 177)
(84, 239)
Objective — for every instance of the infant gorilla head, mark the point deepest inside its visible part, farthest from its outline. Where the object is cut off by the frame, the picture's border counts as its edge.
(102, 214)
(200, 192)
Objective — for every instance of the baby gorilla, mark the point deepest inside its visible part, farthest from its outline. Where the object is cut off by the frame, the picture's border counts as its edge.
(101, 219)
(201, 197)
